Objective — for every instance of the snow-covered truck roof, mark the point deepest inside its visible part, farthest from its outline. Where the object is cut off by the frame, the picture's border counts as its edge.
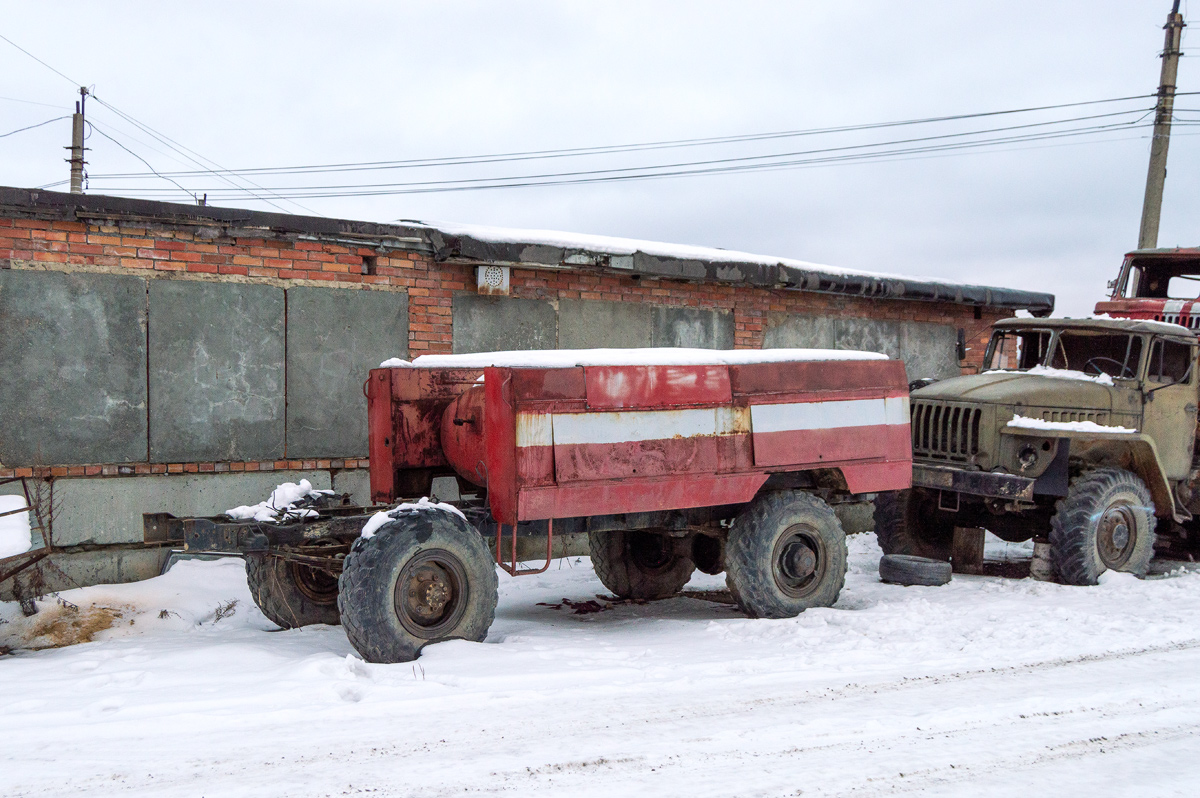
(1098, 323)
(650, 356)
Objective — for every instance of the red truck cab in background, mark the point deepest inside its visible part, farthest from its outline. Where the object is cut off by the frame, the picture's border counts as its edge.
(1157, 285)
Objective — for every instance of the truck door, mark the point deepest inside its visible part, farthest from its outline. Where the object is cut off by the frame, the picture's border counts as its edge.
(1170, 400)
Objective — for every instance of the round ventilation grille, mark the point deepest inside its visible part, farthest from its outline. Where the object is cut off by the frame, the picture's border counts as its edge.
(493, 276)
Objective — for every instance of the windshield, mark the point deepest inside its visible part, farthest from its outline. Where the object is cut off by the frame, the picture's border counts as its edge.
(1094, 353)
(1167, 280)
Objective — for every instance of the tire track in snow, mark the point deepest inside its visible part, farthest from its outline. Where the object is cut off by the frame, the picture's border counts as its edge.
(973, 734)
(456, 756)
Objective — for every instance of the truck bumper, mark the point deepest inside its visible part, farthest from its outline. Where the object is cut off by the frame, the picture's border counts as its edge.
(974, 483)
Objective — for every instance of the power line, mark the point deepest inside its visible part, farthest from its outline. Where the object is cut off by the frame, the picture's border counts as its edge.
(30, 102)
(74, 83)
(645, 146)
(31, 127)
(169, 142)
(182, 150)
(738, 159)
(94, 127)
(607, 176)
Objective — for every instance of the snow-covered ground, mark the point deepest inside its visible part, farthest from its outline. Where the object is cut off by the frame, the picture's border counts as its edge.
(986, 686)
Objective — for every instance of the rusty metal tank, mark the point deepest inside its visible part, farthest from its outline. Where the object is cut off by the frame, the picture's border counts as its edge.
(463, 438)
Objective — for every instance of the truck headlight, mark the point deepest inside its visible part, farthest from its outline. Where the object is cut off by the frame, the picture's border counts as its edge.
(1027, 457)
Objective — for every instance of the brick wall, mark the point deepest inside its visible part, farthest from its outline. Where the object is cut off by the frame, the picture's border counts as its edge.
(34, 243)
(184, 251)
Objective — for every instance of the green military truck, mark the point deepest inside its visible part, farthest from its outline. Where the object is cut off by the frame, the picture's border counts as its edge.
(1079, 433)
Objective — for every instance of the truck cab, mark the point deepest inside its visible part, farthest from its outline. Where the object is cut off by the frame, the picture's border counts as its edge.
(1157, 285)
(1078, 431)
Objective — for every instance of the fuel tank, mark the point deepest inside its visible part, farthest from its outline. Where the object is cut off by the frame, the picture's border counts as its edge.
(462, 436)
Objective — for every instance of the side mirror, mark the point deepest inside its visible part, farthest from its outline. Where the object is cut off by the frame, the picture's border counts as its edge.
(961, 350)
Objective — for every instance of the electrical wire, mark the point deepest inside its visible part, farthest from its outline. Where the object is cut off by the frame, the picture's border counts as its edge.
(31, 127)
(40, 61)
(96, 128)
(30, 102)
(169, 142)
(220, 172)
(646, 146)
(603, 176)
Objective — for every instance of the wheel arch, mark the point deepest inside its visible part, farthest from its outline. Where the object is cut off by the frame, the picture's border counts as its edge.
(1133, 452)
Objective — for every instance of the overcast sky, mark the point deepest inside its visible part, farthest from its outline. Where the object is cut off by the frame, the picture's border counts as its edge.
(251, 84)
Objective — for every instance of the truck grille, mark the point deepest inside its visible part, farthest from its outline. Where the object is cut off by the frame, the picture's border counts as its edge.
(942, 431)
(1100, 417)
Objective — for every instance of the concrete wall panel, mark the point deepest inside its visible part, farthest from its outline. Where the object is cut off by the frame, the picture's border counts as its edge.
(868, 335)
(494, 324)
(334, 337)
(692, 327)
(928, 350)
(794, 331)
(216, 371)
(72, 368)
(592, 325)
(109, 509)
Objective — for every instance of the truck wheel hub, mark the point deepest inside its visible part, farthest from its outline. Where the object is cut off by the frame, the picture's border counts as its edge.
(1116, 536)
(799, 561)
(429, 594)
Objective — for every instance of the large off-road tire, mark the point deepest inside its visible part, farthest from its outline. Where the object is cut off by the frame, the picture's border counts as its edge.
(1105, 522)
(640, 565)
(290, 594)
(786, 553)
(905, 524)
(421, 579)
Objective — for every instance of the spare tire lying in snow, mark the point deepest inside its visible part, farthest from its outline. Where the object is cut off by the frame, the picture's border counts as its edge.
(906, 569)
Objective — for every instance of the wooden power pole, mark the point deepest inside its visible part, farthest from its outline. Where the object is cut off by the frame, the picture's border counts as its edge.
(76, 159)
(1152, 204)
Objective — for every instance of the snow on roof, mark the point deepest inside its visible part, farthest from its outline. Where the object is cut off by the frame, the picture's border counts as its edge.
(557, 249)
(666, 356)
(615, 245)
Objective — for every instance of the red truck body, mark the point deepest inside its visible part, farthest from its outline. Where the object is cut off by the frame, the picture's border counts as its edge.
(568, 441)
(1157, 285)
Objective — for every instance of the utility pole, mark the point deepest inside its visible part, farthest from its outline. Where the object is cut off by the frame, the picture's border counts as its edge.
(1152, 204)
(76, 148)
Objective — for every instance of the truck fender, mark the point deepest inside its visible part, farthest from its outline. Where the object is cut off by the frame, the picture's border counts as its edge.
(1132, 451)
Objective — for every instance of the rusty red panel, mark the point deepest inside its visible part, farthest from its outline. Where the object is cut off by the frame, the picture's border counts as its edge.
(680, 457)
(640, 495)
(379, 433)
(548, 384)
(818, 376)
(1174, 311)
(611, 387)
(500, 418)
(878, 477)
(819, 448)
(535, 465)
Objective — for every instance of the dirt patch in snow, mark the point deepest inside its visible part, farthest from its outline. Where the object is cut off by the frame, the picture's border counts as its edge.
(58, 625)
